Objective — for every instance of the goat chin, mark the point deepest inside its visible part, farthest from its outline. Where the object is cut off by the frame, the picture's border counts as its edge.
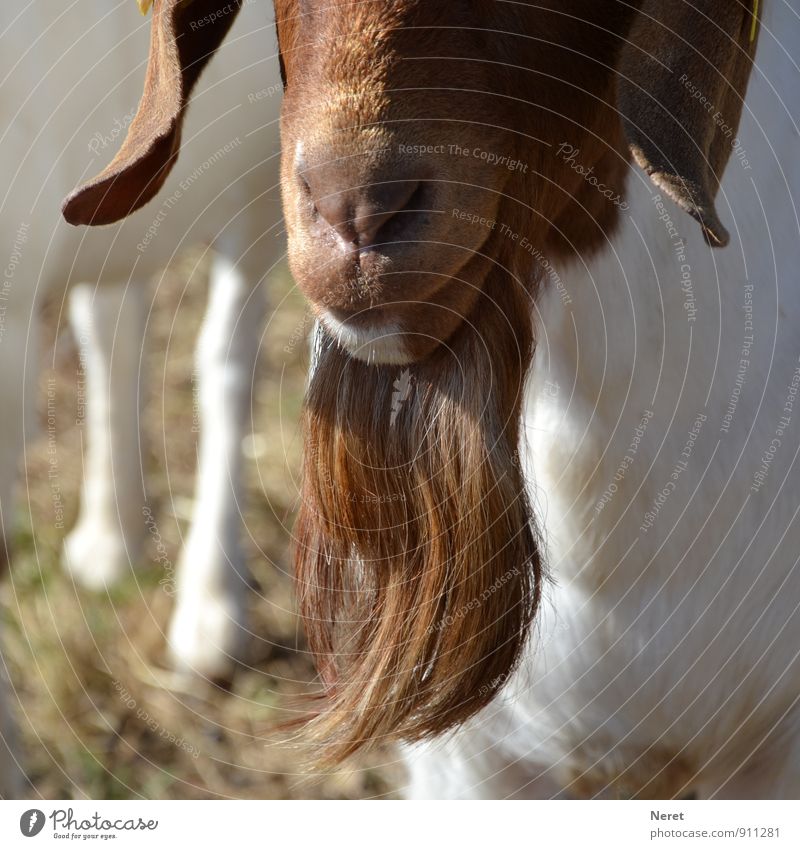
(417, 563)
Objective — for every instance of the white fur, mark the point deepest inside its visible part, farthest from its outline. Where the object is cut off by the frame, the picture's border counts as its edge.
(380, 344)
(683, 636)
(71, 77)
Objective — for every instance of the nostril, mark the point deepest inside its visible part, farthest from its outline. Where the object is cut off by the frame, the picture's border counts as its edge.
(360, 206)
(391, 228)
(306, 193)
(363, 215)
(381, 208)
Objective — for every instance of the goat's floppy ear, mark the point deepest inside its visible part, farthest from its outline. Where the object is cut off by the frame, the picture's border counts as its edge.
(683, 77)
(184, 36)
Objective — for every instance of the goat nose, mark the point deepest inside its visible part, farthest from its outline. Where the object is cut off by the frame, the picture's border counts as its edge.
(358, 214)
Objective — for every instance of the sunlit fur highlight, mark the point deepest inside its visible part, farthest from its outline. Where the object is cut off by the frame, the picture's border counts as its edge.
(417, 566)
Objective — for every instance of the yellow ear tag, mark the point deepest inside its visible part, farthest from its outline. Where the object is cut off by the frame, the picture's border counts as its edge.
(753, 26)
(144, 5)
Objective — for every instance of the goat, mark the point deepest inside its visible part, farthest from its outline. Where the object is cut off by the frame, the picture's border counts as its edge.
(527, 362)
(62, 118)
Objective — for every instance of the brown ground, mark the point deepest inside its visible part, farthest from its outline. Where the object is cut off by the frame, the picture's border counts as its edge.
(100, 714)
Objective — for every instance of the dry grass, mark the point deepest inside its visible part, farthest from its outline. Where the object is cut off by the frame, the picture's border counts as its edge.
(100, 713)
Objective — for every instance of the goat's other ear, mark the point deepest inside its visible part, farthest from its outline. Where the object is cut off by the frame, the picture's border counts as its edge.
(683, 74)
(184, 36)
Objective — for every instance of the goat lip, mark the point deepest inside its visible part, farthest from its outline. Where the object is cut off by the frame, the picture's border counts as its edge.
(359, 291)
(376, 255)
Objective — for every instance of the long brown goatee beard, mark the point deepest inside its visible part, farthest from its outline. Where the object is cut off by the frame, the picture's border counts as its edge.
(417, 567)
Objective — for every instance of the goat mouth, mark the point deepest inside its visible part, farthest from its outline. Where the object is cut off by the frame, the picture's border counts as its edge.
(424, 268)
(389, 315)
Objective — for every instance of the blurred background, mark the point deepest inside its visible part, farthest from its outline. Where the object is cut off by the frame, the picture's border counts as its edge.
(100, 713)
